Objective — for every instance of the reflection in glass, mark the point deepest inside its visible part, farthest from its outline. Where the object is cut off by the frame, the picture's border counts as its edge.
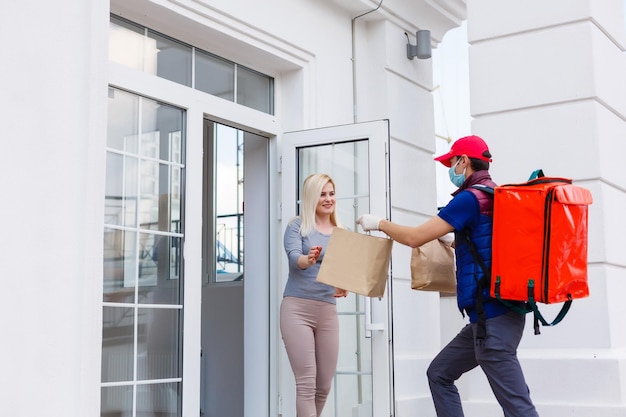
(116, 401)
(158, 343)
(160, 211)
(175, 198)
(123, 126)
(117, 343)
(159, 399)
(149, 195)
(120, 265)
(173, 59)
(150, 143)
(160, 266)
(126, 44)
(161, 127)
(162, 400)
(254, 90)
(157, 350)
(215, 76)
(120, 190)
(176, 144)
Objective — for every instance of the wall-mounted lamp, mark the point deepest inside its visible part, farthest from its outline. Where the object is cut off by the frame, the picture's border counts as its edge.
(422, 48)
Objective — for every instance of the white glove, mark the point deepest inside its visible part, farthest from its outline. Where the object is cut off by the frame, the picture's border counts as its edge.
(369, 222)
(448, 239)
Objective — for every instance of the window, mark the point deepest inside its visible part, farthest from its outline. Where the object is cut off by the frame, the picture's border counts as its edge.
(173, 59)
(215, 76)
(145, 50)
(142, 258)
(223, 201)
(254, 90)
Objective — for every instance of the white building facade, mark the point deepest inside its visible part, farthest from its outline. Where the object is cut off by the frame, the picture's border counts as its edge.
(136, 283)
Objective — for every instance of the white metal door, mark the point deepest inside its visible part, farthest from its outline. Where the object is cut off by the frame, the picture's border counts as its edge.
(356, 157)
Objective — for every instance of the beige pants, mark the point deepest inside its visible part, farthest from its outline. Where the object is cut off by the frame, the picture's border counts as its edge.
(310, 331)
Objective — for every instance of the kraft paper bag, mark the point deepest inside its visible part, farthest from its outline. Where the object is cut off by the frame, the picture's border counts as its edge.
(356, 262)
(432, 267)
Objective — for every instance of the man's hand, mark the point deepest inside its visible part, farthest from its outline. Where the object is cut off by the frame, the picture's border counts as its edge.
(448, 239)
(369, 222)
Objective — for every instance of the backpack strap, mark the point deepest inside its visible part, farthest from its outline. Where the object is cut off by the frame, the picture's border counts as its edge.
(481, 284)
(483, 187)
(485, 281)
(538, 173)
(538, 317)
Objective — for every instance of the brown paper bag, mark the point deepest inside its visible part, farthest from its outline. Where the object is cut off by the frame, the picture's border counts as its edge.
(432, 267)
(356, 262)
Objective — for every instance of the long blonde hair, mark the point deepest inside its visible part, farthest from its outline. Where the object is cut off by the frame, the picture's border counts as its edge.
(311, 191)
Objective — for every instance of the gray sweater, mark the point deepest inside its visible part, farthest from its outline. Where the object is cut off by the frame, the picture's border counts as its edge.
(302, 283)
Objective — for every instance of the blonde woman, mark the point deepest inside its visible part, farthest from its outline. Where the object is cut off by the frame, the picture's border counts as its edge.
(308, 313)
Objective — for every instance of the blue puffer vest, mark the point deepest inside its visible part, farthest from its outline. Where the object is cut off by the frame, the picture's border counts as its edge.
(468, 271)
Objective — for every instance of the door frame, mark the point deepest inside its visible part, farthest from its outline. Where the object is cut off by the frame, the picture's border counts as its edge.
(380, 325)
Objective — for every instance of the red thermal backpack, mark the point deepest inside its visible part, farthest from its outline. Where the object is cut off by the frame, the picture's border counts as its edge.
(539, 246)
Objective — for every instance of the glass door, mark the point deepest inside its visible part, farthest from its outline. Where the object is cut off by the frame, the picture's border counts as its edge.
(356, 157)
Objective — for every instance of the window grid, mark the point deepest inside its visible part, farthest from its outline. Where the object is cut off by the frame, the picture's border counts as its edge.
(156, 378)
(268, 101)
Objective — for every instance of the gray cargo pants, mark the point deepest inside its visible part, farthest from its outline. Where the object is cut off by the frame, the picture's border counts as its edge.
(498, 360)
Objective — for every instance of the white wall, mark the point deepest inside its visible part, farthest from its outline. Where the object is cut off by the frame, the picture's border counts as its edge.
(558, 102)
(451, 100)
(53, 136)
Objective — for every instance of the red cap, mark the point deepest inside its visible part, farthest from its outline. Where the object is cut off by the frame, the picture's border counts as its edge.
(472, 146)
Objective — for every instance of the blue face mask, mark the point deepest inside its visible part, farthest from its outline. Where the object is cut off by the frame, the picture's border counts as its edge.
(457, 179)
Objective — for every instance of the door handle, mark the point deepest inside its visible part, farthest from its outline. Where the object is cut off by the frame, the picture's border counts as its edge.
(369, 326)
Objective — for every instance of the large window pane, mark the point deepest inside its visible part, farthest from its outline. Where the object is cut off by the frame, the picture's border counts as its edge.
(255, 90)
(173, 59)
(215, 76)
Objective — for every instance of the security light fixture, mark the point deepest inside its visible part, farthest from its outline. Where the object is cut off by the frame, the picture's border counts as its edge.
(422, 48)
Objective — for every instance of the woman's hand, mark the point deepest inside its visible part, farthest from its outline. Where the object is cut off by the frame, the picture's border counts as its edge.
(340, 293)
(314, 254)
(310, 258)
